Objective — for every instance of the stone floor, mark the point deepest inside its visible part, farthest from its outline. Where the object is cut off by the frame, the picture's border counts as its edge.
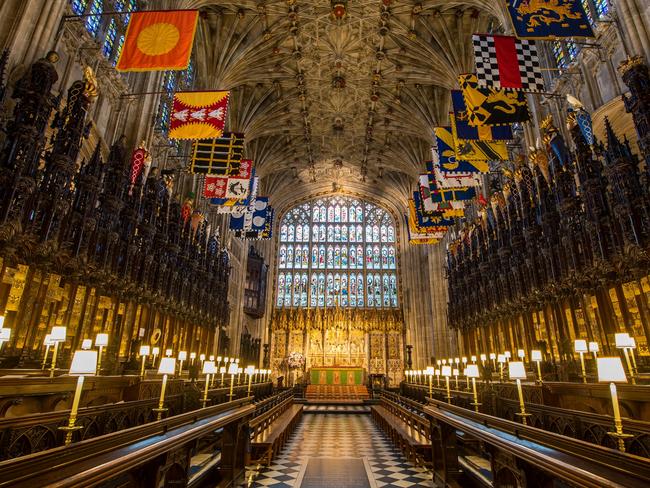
(340, 437)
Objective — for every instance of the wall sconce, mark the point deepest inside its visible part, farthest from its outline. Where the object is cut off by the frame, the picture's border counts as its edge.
(610, 370)
(517, 372)
(144, 352)
(167, 367)
(208, 369)
(83, 363)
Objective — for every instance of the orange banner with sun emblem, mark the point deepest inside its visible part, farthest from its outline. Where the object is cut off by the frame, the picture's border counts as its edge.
(158, 40)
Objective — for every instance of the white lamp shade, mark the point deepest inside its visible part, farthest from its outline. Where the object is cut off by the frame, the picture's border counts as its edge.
(226, 359)
(632, 342)
(521, 353)
(536, 355)
(192, 355)
(237, 360)
(610, 370)
(182, 356)
(463, 360)
(622, 339)
(84, 363)
(593, 347)
(209, 367)
(501, 358)
(167, 366)
(211, 357)
(473, 358)
(446, 371)
(507, 354)
(457, 360)
(86, 344)
(516, 370)
(2, 320)
(5, 333)
(438, 362)
(202, 357)
(429, 371)
(58, 334)
(493, 355)
(222, 369)
(580, 345)
(168, 352)
(101, 340)
(48, 340)
(155, 351)
(233, 368)
(240, 370)
(250, 370)
(437, 372)
(219, 359)
(144, 350)
(456, 371)
(471, 371)
(444, 361)
(483, 357)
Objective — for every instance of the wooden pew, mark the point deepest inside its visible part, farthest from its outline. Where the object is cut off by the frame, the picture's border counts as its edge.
(270, 430)
(406, 427)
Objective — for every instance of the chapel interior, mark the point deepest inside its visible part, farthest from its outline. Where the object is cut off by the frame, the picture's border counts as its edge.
(325, 243)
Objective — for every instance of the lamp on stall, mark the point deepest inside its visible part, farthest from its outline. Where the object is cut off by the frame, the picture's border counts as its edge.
(222, 370)
(493, 357)
(610, 370)
(239, 372)
(192, 358)
(456, 376)
(86, 344)
(438, 376)
(463, 360)
(144, 352)
(202, 358)
(446, 372)
(182, 356)
(501, 360)
(211, 357)
(593, 348)
(536, 355)
(5, 332)
(47, 342)
(473, 359)
(632, 355)
(429, 372)
(57, 335)
(472, 372)
(168, 353)
(580, 346)
(233, 369)
(154, 352)
(208, 370)
(521, 354)
(466, 377)
(517, 372)
(101, 341)
(507, 355)
(483, 358)
(622, 341)
(84, 363)
(250, 371)
(167, 367)
(218, 363)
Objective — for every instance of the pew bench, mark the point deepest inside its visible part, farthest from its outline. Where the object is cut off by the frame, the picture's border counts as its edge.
(270, 431)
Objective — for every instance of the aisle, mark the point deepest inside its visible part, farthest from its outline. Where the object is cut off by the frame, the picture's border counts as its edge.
(349, 442)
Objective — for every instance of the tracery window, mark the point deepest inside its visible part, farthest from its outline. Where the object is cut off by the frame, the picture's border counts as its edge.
(93, 20)
(337, 251)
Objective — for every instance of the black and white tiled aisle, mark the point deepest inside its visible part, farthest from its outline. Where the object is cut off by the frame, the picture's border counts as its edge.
(339, 436)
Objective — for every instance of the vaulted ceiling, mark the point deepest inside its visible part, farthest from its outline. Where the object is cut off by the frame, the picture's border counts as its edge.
(346, 100)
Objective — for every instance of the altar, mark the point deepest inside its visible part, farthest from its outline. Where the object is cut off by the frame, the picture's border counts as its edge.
(337, 376)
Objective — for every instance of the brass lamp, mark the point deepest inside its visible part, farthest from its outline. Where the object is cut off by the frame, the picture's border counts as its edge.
(86, 344)
(222, 370)
(466, 378)
(250, 371)
(501, 360)
(438, 376)
(472, 372)
(456, 372)
(473, 359)
(610, 370)
(632, 355)
(446, 372)
(493, 358)
(517, 372)
(101, 341)
(47, 343)
(429, 372)
(536, 355)
(84, 363)
(168, 353)
(463, 360)
(57, 335)
(167, 367)
(521, 354)
(208, 369)
(5, 332)
(144, 352)
(239, 372)
(192, 357)
(182, 356)
(622, 341)
(580, 346)
(507, 355)
(233, 369)
(154, 352)
(202, 358)
(594, 348)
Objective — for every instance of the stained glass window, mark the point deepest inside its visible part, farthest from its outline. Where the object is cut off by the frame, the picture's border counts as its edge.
(337, 251)
(602, 7)
(558, 54)
(93, 21)
(109, 41)
(79, 6)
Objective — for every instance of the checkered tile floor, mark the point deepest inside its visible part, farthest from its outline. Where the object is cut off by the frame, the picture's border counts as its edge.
(341, 435)
(324, 408)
